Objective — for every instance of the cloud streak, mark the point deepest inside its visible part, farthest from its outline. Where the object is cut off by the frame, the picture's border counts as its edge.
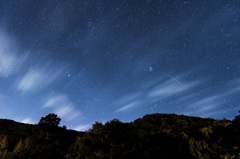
(31, 81)
(213, 105)
(128, 106)
(82, 127)
(126, 99)
(27, 121)
(37, 78)
(170, 88)
(62, 106)
(9, 61)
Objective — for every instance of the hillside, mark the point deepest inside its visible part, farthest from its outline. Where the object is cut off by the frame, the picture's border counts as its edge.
(153, 136)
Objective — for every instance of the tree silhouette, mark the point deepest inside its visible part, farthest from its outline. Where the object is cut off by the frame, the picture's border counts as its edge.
(237, 118)
(49, 120)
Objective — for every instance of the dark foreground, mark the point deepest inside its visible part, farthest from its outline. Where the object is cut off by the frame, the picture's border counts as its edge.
(153, 136)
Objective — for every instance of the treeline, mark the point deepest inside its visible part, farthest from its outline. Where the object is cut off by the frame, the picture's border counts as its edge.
(153, 136)
(23, 141)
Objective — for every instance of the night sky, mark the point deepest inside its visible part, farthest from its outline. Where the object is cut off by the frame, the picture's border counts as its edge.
(96, 60)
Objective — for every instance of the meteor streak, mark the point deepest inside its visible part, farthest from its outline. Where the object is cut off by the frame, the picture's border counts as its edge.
(174, 79)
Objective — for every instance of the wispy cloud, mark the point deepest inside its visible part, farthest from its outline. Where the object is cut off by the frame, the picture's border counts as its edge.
(57, 100)
(6, 62)
(37, 78)
(62, 106)
(82, 127)
(30, 81)
(206, 104)
(170, 88)
(126, 99)
(64, 110)
(216, 103)
(128, 106)
(27, 121)
(9, 62)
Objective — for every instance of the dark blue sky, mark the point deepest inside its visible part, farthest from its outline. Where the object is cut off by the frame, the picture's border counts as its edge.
(96, 60)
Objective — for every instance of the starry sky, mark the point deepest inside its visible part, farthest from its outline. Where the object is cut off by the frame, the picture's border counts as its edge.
(96, 60)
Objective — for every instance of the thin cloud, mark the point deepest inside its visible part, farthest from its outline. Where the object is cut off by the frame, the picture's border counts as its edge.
(206, 101)
(170, 88)
(37, 78)
(205, 105)
(31, 81)
(27, 121)
(7, 58)
(62, 106)
(9, 62)
(56, 101)
(64, 110)
(82, 127)
(6, 62)
(209, 103)
(128, 106)
(126, 99)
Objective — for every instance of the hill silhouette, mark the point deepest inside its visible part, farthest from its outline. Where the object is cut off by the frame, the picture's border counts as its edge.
(150, 137)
